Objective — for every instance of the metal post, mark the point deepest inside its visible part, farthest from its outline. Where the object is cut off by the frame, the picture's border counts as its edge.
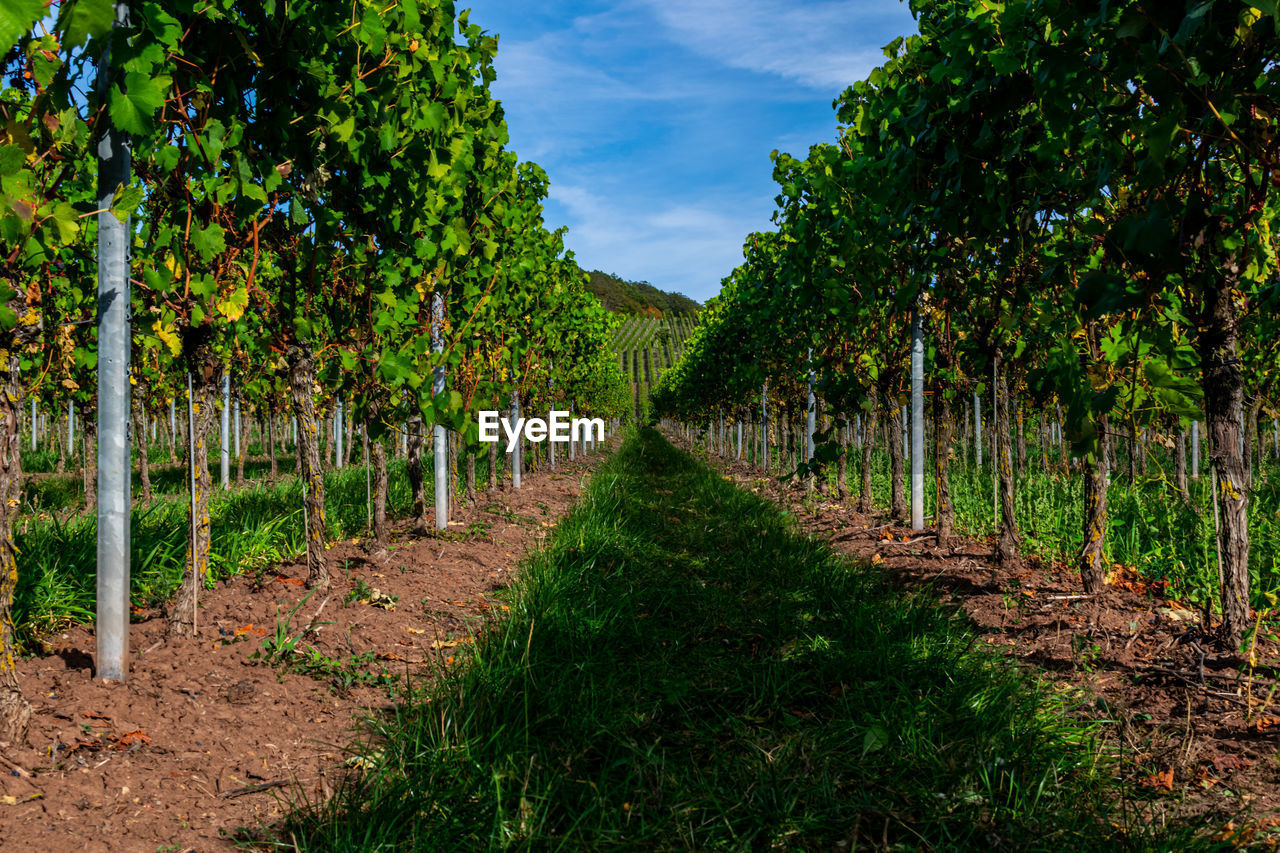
(917, 422)
(226, 430)
(338, 425)
(977, 429)
(33, 423)
(811, 422)
(114, 345)
(191, 465)
(764, 421)
(997, 458)
(236, 408)
(1195, 450)
(906, 445)
(441, 442)
(71, 427)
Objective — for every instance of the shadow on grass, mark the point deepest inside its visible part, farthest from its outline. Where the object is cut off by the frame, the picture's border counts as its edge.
(681, 670)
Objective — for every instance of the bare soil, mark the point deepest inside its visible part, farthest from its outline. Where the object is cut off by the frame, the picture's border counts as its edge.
(202, 739)
(1197, 728)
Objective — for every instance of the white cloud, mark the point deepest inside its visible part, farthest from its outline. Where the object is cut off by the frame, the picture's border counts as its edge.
(680, 247)
(654, 118)
(819, 44)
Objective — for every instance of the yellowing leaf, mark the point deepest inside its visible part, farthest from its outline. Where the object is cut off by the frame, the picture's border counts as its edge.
(233, 306)
(168, 336)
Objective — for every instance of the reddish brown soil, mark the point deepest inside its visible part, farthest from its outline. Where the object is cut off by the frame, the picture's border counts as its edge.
(171, 757)
(1197, 729)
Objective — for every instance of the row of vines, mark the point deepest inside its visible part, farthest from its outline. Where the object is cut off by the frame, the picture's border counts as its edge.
(322, 213)
(1073, 205)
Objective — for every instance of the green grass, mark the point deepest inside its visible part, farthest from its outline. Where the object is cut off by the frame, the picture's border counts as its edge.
(253, 527)
(1150, 528)
(680, 670)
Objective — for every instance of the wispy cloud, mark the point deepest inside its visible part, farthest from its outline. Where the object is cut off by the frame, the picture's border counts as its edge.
(655, 118)
(674, 246)
(823, 45)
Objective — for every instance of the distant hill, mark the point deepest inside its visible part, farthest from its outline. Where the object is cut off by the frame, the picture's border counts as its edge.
(639, 298)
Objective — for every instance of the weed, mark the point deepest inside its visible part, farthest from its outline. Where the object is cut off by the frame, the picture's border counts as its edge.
(361, 591)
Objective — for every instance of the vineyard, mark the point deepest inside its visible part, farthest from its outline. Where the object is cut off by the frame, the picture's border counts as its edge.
(249, 283)
(951, 523)
(646, 347)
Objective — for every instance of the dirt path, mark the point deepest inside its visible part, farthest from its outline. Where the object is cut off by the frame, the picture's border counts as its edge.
(201, 739)
(1197, 729)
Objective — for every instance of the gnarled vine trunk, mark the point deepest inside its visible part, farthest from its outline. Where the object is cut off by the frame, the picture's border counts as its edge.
(471, 474)
(1010, 539)
(493, 467)
(302, 377)
(1093, 568)
(897, 465)
(206, 389)
(380, 534)
(15, 711)
(90, 468)
(842, 466)
(868, 441)
(1223, 383)
(942, 430)
(414, 468)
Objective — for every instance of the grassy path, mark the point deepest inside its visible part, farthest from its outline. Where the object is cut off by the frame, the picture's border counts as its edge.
(681, 670)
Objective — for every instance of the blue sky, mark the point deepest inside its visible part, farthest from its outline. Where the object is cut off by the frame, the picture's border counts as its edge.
(655, 118)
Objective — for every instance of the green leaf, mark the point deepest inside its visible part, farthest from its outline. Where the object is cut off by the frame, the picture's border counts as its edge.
(343, 130)
(88, 19)
(208, 241)
(133, 110)
(17, 17)
(11, 159)
(876, 739)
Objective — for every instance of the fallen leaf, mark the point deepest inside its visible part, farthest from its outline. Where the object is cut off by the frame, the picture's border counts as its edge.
(1159, 781)
(294, 581)
(130, 738)
(415, 630)
(16, 801)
